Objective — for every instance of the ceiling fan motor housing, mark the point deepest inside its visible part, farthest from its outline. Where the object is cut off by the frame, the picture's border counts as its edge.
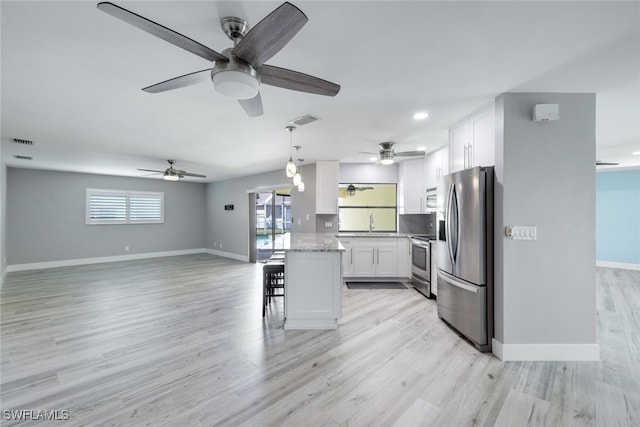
(235, 78)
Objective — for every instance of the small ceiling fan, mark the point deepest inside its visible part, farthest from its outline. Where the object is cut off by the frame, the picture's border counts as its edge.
(387, 153)
(171, 174)
(238, 71)
(351, 189)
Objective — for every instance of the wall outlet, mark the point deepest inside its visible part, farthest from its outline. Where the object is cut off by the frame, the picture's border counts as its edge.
(215, 244)
(328, 224)
(126, 248)
(307, 216)
(220, 245)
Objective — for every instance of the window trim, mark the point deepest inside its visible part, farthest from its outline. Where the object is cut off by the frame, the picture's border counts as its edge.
(128, 195)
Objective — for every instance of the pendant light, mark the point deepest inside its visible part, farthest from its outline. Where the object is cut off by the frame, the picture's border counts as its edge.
(299, 173)
(291, 166)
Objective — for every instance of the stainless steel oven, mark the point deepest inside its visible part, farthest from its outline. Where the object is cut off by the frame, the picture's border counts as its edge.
(421, 266)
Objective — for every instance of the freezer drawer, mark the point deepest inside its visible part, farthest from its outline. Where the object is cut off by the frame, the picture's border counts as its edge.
(464, 306)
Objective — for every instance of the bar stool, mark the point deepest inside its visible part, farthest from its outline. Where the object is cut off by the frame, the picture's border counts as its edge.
(272, 282)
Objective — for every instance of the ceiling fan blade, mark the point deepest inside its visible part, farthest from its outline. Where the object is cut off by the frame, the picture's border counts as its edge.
(599, 163)
(195, 175)
(410, 153)
(367, 152)
(178, 82)
(270, 35)
(294, 80)
(161, 31)
(150, 170)
(252, 106)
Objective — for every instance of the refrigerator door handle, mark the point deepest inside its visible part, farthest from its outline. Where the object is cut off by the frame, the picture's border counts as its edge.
(456, 282)
(448, 223)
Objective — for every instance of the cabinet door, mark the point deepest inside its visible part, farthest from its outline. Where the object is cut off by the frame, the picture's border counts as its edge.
(413, 188)
(386, 262)
(458, 146)
(363, 261)
(482, 127)
(431, 169)
(347, 258)
(327, 187)
(404, 257)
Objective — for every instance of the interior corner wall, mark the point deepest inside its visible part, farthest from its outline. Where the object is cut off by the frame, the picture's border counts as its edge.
(545, 172)
(228, 231)
(46, 217)
(3, 218)
(618, 217)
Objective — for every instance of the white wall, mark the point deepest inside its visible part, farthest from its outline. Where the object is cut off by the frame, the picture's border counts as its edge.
(46, 217)
(545, 173)
(3, 218)
(367, 173)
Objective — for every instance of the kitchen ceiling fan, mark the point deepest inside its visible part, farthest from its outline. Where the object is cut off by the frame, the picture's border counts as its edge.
(171, 174)
(238, 71)
(387, 153)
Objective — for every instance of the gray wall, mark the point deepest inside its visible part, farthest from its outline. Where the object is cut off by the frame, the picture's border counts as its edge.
(545, 172)
(3, 217)
(368, 173)
(228, 231)
(46, 213)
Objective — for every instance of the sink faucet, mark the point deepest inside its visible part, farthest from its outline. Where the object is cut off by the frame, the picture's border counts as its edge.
(371, 225)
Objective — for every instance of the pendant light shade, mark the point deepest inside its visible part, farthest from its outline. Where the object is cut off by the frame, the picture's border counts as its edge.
(297, 179)
(290, 169)
(301, 187)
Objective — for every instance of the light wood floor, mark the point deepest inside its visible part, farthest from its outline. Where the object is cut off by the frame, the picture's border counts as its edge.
(181, 341)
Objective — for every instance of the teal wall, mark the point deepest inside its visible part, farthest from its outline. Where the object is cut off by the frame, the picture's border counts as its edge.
(618, 216)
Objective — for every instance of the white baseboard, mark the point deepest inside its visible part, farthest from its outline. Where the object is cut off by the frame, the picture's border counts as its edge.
(244, 258)
(622, 265)
(546, 352)
(99, 260)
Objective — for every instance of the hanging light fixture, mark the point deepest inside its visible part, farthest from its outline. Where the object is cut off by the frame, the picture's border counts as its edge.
(291, 166)
(301, 183)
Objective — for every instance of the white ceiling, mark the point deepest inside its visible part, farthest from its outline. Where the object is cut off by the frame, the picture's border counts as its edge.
(71, 80)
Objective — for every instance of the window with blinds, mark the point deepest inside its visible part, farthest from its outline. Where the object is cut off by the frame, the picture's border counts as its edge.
(123, 207)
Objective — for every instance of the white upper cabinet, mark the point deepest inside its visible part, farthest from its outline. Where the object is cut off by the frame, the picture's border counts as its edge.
(436, 166)
(472, 140)
(411, 188)
(327, 187)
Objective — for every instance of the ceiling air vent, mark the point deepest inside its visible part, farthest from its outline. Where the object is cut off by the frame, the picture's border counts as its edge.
(303, 120)
(22, 141)
(19, 157)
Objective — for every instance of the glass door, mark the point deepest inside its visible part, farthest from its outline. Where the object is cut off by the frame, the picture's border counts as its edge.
(273, 221)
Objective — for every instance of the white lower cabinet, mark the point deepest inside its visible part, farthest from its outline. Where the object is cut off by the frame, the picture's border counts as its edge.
(376, 257)
(347, 257)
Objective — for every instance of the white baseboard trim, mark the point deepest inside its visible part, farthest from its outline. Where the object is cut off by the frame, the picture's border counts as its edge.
(315, 324)
(622, 265)
(546, 352)
(99, 260)
(244, 258)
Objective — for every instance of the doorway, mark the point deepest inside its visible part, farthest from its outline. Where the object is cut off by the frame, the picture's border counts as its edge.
(272, 221)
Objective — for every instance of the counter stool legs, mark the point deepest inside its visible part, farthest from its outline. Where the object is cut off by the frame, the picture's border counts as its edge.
(272, 282)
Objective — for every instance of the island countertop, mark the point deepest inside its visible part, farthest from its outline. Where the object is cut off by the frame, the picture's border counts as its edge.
(311, 242)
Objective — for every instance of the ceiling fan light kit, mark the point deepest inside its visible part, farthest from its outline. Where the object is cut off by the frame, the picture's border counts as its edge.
(237, 72)
(171, 174)
(387, 153)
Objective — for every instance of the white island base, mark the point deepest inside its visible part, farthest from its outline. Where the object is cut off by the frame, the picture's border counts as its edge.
(313, 289)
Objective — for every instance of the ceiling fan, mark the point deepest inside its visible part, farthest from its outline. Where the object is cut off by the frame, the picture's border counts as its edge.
(171, 174)
(387, 153)
(238, 71)
(351, 189)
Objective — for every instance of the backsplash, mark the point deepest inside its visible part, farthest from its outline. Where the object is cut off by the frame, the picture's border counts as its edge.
(417, 223)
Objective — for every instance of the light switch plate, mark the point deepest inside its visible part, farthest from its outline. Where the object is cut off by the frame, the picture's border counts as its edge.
(522, 232)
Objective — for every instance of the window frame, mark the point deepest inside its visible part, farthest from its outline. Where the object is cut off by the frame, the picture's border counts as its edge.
(369, 207)
(128, 194)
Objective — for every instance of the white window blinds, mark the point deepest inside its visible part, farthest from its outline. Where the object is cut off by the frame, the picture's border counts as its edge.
(123, 207)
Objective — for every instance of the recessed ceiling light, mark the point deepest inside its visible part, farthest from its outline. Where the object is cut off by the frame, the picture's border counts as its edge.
(373, 159)
(636, 153)
(421, 148)
(421, 115)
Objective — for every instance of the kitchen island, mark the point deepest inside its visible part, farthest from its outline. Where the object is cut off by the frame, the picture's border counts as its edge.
(313, 281)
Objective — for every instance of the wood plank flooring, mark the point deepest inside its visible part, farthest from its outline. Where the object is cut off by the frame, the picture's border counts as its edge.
(180, 341)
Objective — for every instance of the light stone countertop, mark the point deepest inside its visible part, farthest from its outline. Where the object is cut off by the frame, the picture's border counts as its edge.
(374, 234)
(312, 242)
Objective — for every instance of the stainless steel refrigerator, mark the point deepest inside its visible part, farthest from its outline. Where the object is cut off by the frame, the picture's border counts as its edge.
(465, 254)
